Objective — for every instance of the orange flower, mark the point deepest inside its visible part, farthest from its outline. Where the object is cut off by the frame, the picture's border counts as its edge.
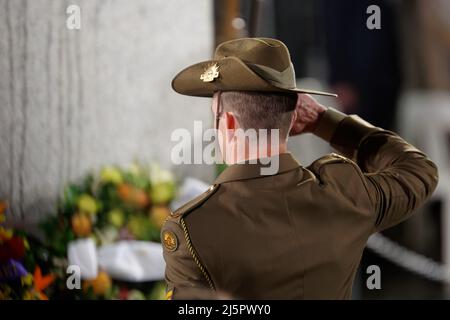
(124, 191)
(133, 195)
(42, 282)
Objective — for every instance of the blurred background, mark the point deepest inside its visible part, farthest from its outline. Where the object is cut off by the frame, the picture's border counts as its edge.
(79, 104)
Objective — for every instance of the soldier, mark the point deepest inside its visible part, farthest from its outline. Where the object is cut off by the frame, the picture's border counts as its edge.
(298, 233)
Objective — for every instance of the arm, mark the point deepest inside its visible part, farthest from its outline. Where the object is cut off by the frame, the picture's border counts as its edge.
(399, 177)
(183, 276)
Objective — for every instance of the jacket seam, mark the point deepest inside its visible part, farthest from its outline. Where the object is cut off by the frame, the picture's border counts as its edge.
(296, 236)
(195, 255)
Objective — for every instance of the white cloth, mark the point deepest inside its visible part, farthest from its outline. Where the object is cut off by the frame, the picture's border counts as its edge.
(127, 260)
(133, 261)
(83, 253)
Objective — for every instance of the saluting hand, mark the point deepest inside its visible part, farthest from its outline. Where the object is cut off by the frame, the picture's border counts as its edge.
(308, 112)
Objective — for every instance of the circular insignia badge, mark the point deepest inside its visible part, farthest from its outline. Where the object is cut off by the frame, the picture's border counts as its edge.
(169, 240)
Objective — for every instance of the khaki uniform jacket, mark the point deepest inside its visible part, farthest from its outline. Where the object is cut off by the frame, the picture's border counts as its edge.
(298, 234)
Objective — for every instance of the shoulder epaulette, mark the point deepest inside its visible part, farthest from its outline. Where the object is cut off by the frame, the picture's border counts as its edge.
(194, 203)
(327, 159)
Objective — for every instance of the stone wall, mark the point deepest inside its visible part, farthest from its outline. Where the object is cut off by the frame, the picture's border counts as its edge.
(74, 100)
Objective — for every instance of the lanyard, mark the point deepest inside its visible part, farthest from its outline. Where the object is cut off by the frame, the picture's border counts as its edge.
(218, 111)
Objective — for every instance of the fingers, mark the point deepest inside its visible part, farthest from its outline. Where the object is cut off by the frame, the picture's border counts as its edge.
(297, 128)
(303, 100)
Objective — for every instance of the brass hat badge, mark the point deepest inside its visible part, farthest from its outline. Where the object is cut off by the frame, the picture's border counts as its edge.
(210, 73)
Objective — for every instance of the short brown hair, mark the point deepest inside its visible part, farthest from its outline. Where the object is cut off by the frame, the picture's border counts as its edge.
(261, 110)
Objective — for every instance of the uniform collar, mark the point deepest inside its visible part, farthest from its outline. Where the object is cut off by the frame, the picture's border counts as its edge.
(243, 171)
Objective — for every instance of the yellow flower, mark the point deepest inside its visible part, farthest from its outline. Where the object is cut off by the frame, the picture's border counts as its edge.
(116, 217)
(135, 295)
(30, 295)
(162, 193)
(134, 169)
(27, 280)
(5, 292)
(5, 234)
(87, 204)
(2, 211)
(111, 174)
(159, 214)
(100, 285)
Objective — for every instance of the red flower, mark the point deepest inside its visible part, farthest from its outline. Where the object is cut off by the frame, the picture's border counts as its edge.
(123, 293)
(13, 248)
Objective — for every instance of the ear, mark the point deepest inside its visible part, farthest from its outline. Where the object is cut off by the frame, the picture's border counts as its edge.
(214, 103)
(230, 121)
(293, 120)
(231, 124)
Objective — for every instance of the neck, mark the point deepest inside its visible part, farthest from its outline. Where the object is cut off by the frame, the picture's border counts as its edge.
(238, 154)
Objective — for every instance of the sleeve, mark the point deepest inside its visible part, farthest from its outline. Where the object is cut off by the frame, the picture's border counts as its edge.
(183, 276)
(398, 176)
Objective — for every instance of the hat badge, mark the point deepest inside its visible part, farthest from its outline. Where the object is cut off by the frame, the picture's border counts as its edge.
(210, 73)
